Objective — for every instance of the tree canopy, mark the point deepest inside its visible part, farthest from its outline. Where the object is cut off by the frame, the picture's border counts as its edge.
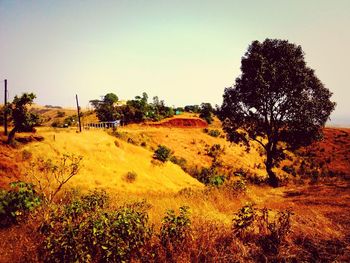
(277, 98)
(23, 119)
(105, 109)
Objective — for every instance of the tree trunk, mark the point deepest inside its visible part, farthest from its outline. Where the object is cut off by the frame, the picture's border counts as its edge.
(11, 135)
(273, 180)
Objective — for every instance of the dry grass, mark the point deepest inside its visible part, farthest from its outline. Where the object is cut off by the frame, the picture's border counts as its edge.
(320, 224)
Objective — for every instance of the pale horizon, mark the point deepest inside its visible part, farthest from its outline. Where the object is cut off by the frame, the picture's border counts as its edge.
(184, 52)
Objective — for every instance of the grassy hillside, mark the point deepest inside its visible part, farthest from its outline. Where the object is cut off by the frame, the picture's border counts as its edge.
(107, 160)
(320, 225)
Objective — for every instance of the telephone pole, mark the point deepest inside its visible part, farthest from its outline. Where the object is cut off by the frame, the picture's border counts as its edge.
(5, 108)
(78, 109)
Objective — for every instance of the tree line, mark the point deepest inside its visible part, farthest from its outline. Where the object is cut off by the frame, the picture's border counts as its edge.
(138, 110)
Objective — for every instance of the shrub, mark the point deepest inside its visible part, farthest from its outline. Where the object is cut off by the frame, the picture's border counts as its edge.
(175, 229)
(243, 220)
(273, 232)
(162, 153)
(51, 177)
(215, 151)
(237, 186)
(143, 144)
(130, 177)
(99, 236)
(217, 180)
(214, 133)
(180, 161)
(17, 202)
(267, 232)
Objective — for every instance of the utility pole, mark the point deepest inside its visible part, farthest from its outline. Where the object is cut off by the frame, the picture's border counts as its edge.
(78, 108)
(5, 108)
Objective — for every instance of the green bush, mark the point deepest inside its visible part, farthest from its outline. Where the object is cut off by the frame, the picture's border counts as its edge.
(17, 202)
(214, 133)
(175, 229)
(98, 236)
(162, 153)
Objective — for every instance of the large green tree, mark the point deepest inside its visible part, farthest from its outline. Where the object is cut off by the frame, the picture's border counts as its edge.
(23, 119)
(105, 109)
(277, 101)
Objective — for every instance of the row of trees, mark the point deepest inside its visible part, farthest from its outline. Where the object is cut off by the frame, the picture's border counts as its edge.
(139, 109)
(133, 111)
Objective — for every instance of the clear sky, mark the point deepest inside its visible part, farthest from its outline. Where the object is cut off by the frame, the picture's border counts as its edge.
(185, 52)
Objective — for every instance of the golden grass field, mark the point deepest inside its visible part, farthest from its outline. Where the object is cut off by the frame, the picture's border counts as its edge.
(321, 210)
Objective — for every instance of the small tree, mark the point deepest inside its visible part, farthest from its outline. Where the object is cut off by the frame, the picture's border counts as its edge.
(277, 98)
(23, 120)
(206, 111)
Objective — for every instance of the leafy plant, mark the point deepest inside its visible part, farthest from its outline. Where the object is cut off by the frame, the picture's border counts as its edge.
(162, 153)
(243, 220)
(17, 202)
(175, 229)
(98, 235)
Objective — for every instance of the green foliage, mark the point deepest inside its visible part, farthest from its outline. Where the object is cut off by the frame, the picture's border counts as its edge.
(214, 133)
(162, 153)
(206, 111)
(70, 120)
(256, 224)
(96, 235)
(217, 180)
(176, 229)
(105, 109)
(23, 119)
(17, 202)
(277, 98)
(192, 108)
(209, 176)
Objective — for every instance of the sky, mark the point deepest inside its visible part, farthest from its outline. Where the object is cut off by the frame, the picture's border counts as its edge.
(185, 52)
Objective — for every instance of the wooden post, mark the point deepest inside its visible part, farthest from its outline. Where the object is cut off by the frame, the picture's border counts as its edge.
(5, 108)
(78, 109)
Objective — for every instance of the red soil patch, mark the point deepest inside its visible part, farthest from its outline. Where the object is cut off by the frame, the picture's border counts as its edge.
(181, 123)
(9, 165)
(333, 151)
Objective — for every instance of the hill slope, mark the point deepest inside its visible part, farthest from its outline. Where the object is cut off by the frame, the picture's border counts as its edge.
(107, 160)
